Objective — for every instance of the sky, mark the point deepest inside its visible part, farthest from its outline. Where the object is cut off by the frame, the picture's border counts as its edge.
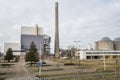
(86, 21)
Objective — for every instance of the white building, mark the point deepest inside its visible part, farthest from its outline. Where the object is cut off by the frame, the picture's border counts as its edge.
(95, 54)
(16, 47)
(25, 30)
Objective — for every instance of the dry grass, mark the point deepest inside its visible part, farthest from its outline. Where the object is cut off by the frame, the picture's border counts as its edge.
(111, 65)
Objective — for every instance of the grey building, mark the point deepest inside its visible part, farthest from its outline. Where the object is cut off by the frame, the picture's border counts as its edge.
(29, 34)
(26, 41)
(117, 43)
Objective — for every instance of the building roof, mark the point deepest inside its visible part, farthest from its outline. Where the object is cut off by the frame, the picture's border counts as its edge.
(105, 39)
(117, 39)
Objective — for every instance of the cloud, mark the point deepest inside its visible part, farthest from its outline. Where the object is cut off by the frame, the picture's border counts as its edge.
(84, 20)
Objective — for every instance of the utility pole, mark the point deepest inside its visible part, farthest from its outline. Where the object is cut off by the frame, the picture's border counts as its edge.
(40, 52)
(77, 49)
(104, 62)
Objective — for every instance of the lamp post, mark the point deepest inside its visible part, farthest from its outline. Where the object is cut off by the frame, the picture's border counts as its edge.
(104, 62)
(79, 59)
(77, 49)
(40, 52)
(40, 60)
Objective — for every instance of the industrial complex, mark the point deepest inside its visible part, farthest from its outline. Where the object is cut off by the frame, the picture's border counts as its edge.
(29, 34)
(105, 48)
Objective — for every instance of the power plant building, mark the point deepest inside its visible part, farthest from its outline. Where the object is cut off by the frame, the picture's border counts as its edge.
(14, 46)
(29, 34)
(117, 44)
(105, 44)
(104, 49)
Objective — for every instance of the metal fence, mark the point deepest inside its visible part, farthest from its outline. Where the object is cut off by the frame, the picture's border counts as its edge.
(94, 76)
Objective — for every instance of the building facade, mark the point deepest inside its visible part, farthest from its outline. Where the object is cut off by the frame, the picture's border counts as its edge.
(104, 44)
(105, 48)
(98, 54)
(27, 36)
(35, 34)
(117, 44)
(14, 46)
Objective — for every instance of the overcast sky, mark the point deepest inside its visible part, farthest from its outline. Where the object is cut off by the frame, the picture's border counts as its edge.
(86, 21)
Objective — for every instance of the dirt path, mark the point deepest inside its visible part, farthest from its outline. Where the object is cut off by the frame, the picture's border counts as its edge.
(19, 72)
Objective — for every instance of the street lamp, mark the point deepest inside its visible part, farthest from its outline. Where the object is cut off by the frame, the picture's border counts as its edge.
(79, 59)
(77, 49)
(40, 60)
(40, 52)
(104, 62)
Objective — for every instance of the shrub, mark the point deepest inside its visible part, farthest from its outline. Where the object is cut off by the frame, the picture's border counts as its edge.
(68, 64)
(8, 65)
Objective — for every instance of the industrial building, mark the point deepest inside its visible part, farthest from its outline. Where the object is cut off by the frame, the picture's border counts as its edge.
(104, 44)
(98, 54)
(105, 48)
(107, 44)
(15, 47)
(117, 44)
(29, 34)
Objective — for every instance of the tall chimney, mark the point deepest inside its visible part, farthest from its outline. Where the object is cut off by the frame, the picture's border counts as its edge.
(56, 49)
(36, 29)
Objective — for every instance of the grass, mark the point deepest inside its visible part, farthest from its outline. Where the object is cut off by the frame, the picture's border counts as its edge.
(98, 64)
(2, 78)
(2, 73)
(86, 64)
(35, 69)
(83, 76)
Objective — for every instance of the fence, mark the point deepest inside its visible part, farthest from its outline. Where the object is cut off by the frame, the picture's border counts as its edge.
(94, 76)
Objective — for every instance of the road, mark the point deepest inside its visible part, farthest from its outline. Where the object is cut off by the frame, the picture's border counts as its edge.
(19, 72)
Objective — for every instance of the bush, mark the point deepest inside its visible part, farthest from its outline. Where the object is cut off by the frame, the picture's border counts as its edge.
(8, 65)
(68, 64)
(2, 78)
(43, 62)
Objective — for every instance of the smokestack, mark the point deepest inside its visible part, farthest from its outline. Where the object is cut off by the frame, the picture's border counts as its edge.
(56, 49)
(36, 29)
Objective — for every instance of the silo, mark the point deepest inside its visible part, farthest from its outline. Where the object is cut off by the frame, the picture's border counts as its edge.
(105, 44)
(117, 43)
